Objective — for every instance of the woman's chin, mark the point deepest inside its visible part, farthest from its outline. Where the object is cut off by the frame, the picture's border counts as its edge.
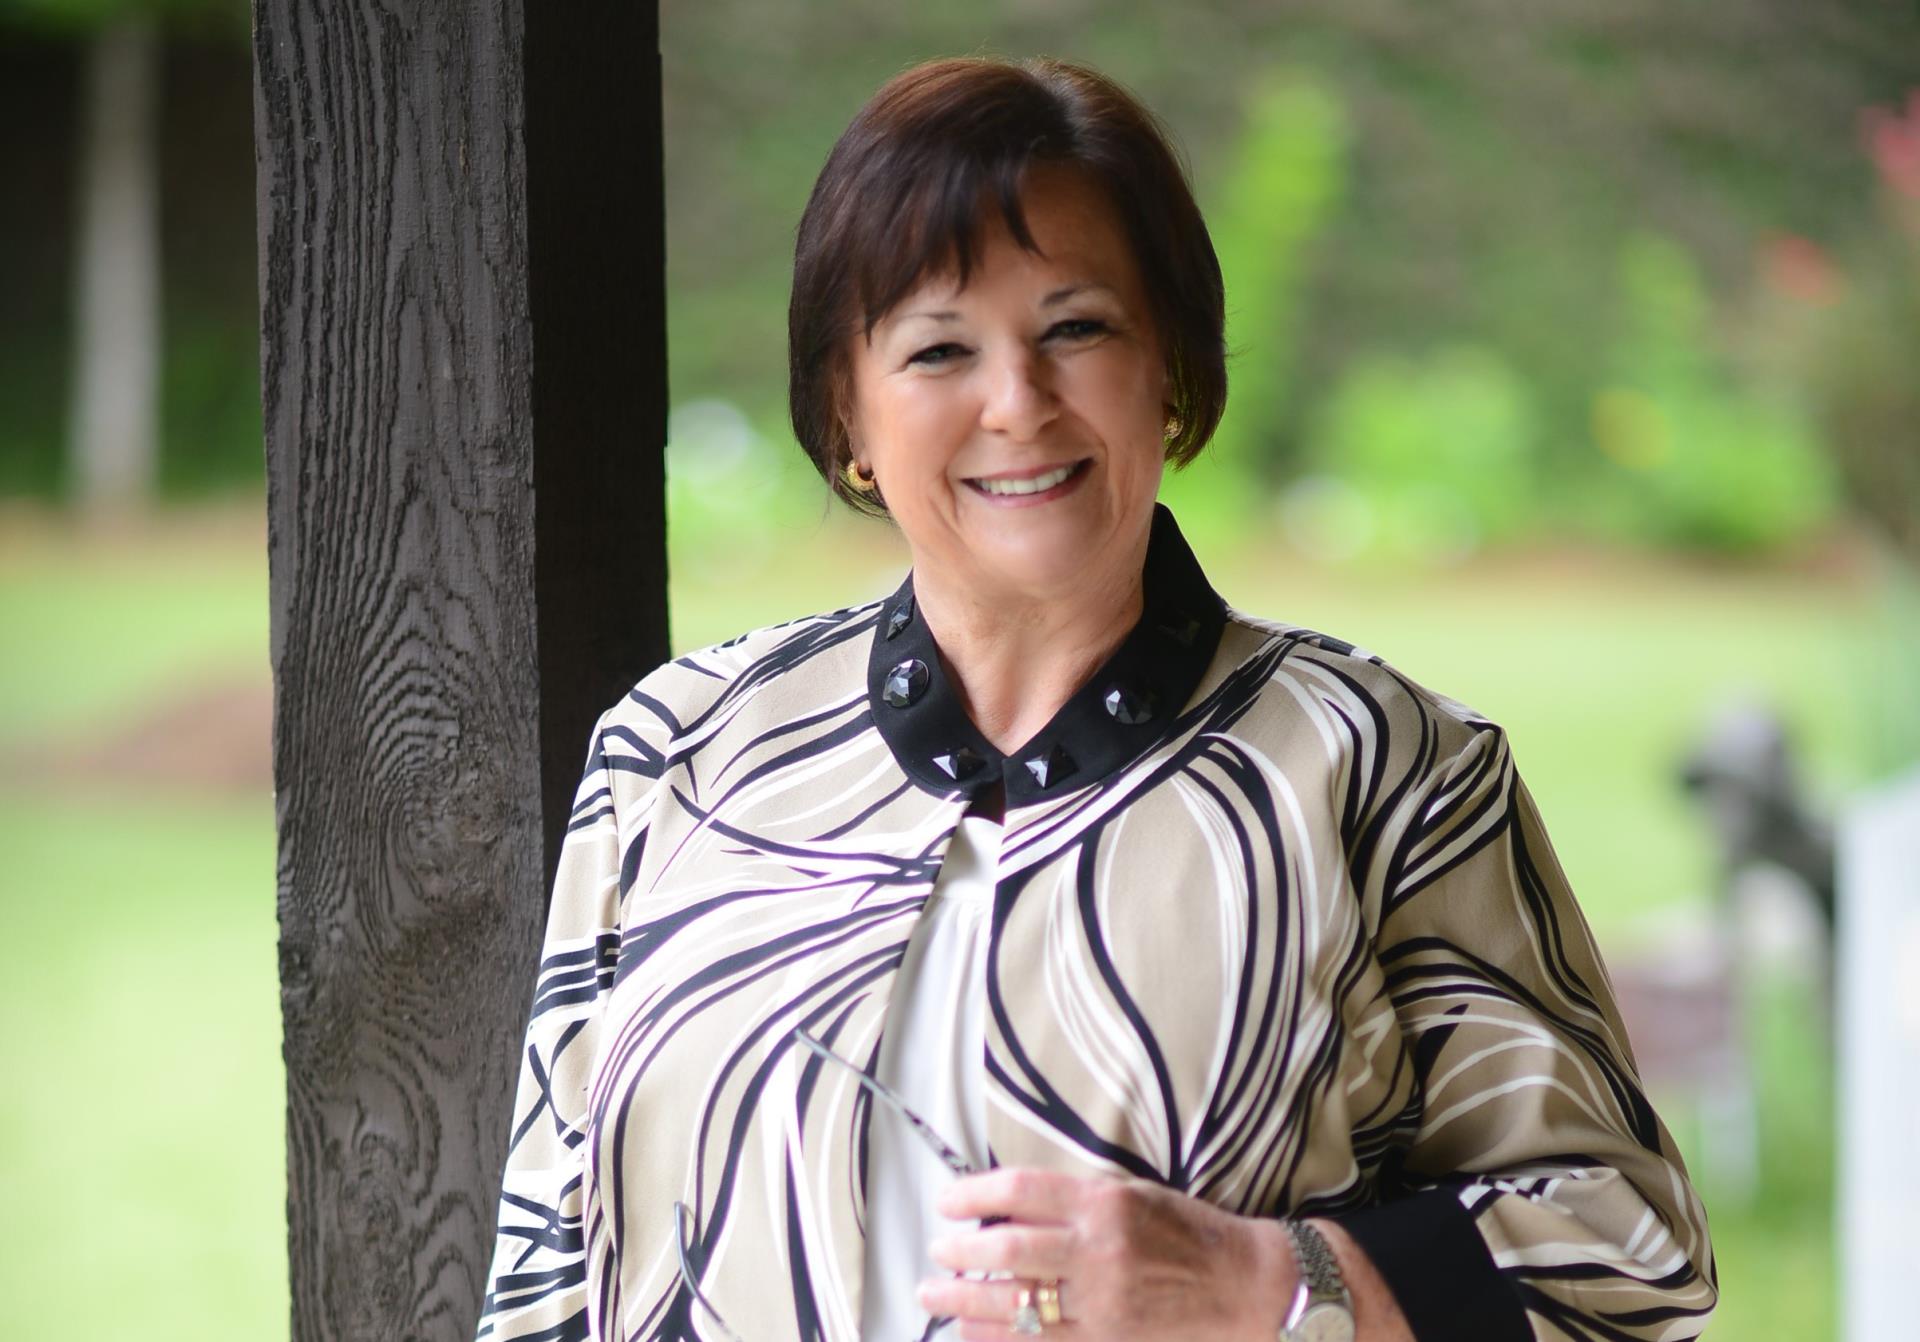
(1062, 566)
(1057, 552)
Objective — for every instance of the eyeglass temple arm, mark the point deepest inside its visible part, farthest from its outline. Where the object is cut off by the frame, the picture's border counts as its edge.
(949, 1157)
(680, 1218)
(952, 1159)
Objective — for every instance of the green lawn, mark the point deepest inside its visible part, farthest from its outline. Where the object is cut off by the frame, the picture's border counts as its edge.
(142, 1141)
(90, 627)
(143, 1146)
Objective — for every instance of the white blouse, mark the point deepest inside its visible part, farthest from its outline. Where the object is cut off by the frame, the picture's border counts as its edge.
(931, 1052)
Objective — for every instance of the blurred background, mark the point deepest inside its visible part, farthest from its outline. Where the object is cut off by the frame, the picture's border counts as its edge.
(1575, 375)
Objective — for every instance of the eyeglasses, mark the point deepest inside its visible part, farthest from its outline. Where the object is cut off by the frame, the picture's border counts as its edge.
(952, 1159)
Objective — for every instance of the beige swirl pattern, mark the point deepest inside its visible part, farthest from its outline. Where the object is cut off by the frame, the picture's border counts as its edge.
(1310, 952)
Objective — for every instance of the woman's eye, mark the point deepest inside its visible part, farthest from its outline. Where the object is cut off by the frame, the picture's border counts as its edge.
(1076, 327)
(932, 354)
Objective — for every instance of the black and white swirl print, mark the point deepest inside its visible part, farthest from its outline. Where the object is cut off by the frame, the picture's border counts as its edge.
(1310, 952)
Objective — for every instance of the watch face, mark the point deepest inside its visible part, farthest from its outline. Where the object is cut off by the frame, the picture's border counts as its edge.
(1324, 1323)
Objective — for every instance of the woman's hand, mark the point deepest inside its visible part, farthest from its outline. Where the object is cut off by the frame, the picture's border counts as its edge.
(1135, 1260)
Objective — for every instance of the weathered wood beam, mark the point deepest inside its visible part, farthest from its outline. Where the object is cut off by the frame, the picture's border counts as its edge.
(464, 381)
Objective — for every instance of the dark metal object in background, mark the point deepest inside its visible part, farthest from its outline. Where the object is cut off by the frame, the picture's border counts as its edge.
(1743, 775)
(463, 375)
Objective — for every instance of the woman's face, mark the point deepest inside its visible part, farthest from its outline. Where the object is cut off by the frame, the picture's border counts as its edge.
(1015, 427)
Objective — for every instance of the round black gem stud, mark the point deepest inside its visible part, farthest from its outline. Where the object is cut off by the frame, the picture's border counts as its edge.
(1051, 767)
(905, 683)
(959, 763)
(902, 617)
(1129, 704)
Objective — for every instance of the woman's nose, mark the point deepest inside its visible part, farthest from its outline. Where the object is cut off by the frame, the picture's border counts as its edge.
(1019, 398)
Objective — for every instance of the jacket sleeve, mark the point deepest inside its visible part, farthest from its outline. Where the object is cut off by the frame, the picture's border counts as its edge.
(536, 1287)
(1539, 1194)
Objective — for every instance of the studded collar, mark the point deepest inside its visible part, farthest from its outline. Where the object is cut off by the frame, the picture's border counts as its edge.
(1122, 710)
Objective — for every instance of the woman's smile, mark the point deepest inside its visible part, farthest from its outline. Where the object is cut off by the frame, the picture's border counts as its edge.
(1025, 489)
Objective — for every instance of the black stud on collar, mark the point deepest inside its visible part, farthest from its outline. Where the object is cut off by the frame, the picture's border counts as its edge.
(959, 763)
(902, 617)
(905, 683)
(1128, 705)
(1050, 766)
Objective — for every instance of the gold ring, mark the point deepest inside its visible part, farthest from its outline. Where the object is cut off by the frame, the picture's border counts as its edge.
(1046, 1299)
(1026, 1319)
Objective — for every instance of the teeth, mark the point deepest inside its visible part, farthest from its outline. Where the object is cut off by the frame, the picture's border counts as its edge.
(1030, 486)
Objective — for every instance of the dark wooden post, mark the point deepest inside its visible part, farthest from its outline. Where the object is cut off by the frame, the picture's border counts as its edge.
(463, 371)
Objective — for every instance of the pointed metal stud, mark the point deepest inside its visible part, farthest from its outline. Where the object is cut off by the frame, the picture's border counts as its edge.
(905, 683)
(959, 763)
(902, 617)
(1130, 704)
(1051, 767)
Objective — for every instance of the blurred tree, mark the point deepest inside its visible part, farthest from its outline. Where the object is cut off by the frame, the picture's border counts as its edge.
(1863, 349)
(113, 425)
(1844, 317)
(113, 422)
(84, 17)
(1495, 155)
(1272, 206)
(1498, 155)
(1432, 457)
(1688, 454)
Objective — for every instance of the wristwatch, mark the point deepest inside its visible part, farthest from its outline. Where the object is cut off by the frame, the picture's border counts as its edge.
(1322, 1311)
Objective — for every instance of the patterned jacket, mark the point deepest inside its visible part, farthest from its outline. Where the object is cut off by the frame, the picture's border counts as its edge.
(1273, 924)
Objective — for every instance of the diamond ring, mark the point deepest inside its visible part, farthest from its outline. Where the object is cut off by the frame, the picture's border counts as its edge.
(1026, 1318)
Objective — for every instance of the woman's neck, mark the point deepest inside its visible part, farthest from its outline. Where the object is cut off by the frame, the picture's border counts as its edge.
(1014, 663)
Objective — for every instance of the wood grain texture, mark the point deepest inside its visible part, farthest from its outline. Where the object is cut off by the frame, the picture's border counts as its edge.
(463, 377)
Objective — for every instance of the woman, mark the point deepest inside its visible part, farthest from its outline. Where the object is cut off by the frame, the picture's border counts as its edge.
(1240, 958)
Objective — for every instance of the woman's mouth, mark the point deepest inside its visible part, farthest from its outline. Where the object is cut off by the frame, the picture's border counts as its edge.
(1051, 483)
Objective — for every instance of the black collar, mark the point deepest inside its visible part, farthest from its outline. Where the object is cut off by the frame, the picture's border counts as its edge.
(1127, 705)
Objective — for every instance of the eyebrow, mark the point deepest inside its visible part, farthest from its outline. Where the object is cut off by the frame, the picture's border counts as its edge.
(1053, 299)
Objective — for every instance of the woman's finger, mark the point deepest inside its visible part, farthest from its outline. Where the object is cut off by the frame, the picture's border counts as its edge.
(1017, 1191)
(991, 1302)
(1025, 1250)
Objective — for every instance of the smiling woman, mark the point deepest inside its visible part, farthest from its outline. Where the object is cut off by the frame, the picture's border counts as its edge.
(1016, 425)
(1224, 973)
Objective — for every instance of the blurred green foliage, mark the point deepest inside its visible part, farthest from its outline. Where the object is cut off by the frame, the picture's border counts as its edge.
(1691, 457)
(1420, 458)
(1516, 242)
(1852, 342)
(1275, 201)
(80, 17)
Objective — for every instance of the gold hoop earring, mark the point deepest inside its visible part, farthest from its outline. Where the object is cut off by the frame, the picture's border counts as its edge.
(859, 478)
(1174, 425)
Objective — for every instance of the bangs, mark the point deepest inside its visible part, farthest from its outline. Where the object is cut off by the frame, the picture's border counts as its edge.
(935, 227)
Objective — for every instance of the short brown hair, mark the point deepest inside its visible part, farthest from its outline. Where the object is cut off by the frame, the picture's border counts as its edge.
(902, 195)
